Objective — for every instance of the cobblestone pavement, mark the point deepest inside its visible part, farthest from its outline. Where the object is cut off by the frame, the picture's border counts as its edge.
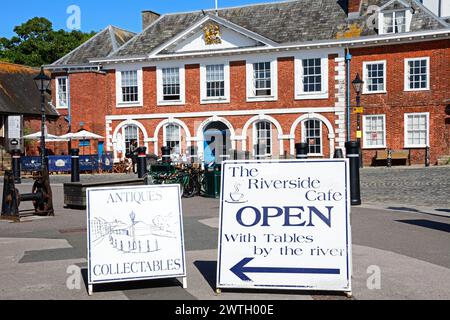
(407, 187)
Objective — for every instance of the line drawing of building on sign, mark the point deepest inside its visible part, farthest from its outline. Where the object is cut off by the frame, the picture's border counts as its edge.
(133, 236)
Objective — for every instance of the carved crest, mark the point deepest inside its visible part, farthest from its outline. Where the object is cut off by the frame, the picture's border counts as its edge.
(212, 34)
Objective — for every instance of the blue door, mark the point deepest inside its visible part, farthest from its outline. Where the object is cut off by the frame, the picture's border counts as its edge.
(216, 142)
(100, 149)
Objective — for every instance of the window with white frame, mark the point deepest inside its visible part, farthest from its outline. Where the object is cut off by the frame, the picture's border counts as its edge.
(131, 135)
(263, 138)
(129, 86)
(62, 92)
(374, 131)
(417, 74)
(171, 84)
(311, 77)
(416, 130)
(262, 81)
(394, 22)
(173, 138)
(374, 77)
(312, 134)
(215, 81)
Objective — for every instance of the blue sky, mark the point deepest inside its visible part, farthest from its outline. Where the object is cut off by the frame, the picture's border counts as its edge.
(97, 14)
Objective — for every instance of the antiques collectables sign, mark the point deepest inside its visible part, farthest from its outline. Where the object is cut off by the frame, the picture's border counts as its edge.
(135, 233)
(285, 225)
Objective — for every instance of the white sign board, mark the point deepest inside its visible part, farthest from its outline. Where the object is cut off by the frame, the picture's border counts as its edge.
(135, 233)
(14, 127)
(285, 225)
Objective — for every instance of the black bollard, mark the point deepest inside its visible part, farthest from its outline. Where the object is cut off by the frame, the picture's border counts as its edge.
(352, 148)
(141, 162)
(75, 171)
(301, 150)
(389, 158)
(165, 154)
(338, 154)
(427, 157)
(193, 154)
(16, 166)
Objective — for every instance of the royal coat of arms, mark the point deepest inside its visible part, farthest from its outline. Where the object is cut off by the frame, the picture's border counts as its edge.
(212, 34)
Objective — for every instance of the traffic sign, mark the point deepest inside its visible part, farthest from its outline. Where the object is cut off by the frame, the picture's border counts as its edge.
(285, 225)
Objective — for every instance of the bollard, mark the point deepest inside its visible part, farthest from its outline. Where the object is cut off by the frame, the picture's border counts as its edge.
(141, 162)
(389, 158)
(165, 154)
(427, 157)
(16, 166)
(352, 148)
(301, 150)
(193, 154)
(75, 172)
(338, 154)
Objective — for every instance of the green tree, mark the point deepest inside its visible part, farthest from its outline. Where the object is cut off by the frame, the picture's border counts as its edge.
(36, 43)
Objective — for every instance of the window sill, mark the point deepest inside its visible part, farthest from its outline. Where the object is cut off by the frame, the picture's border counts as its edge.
(375, 92)
(374, 147)
(416, 146)
(312, 96)
(129, 105)
(214, 100)
(62, 108)
(412, 90)
(261, 98)
(171, 103)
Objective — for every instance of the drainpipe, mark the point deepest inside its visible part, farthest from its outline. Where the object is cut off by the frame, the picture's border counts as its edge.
(348, 58)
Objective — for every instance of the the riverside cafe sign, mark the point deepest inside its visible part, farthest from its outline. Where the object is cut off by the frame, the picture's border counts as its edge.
(285, 225)
(135, 233)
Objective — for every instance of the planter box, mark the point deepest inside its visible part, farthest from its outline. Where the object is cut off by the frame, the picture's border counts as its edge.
(75, 193)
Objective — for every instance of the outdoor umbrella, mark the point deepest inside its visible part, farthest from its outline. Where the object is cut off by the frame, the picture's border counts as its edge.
(82, 135)
(48, 137)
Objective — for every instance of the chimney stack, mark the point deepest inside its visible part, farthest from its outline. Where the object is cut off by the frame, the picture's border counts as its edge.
(148, 17)
(354, 7)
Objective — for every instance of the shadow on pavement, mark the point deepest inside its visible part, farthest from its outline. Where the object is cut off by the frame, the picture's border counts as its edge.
(406, 209)
(428, 224)
(208, 269)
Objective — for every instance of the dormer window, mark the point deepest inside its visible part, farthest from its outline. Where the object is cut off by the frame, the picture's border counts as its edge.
(394, 22)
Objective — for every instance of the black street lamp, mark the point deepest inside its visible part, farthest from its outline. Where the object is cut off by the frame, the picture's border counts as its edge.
(42, 82)
(357, 86)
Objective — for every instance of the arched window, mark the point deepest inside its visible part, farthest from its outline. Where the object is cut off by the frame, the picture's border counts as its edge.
(312, 134)
(172, 138)
(262, 137)
(131, 133)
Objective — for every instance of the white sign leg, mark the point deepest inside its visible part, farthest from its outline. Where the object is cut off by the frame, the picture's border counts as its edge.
(90, 289)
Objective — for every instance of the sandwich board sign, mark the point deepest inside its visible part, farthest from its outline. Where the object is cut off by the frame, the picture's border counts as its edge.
(135, 233)
(285, 224)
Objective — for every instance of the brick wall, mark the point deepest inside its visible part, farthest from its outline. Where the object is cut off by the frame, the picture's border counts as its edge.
(396, 102)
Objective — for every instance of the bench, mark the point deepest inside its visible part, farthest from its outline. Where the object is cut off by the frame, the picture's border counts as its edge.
(395, 155)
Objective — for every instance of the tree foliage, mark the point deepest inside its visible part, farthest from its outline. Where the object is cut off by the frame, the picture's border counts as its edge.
(36, 43)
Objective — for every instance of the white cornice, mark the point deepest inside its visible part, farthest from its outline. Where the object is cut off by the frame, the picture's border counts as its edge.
(220, 113)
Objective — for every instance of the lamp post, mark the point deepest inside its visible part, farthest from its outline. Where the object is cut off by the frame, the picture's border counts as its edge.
(42, 82)
(357, 86)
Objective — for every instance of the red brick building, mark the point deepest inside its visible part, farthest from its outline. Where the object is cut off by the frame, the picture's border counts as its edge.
(261, 78)
(20, 99)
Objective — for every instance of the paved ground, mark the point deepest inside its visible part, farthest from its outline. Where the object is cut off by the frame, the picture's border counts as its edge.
(411, 248)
